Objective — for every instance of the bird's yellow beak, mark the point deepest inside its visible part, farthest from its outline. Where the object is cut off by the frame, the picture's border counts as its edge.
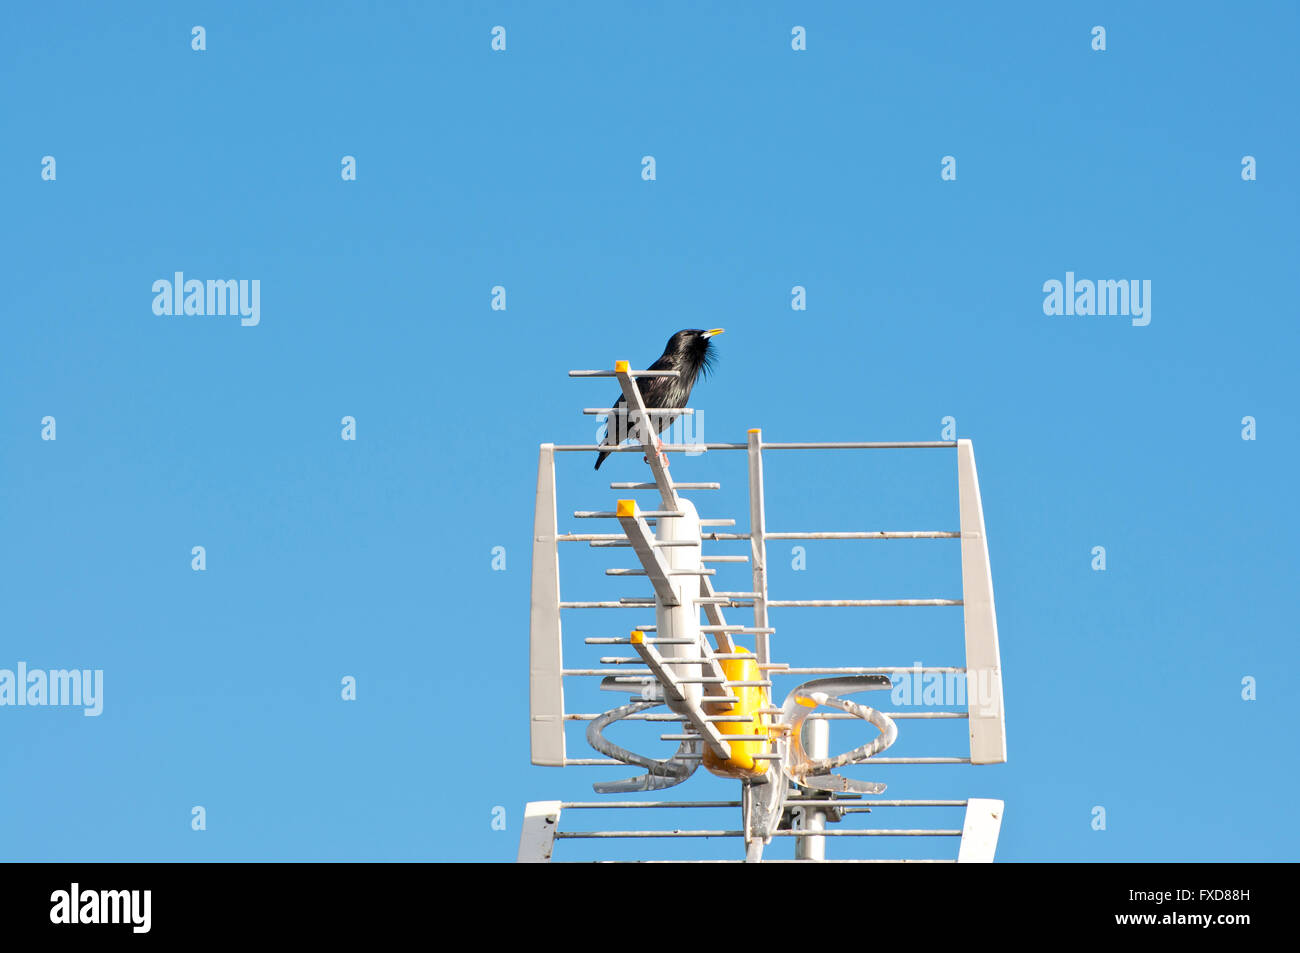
(713, 331)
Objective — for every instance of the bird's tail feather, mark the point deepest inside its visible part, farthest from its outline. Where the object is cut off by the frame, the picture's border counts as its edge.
(601, 458)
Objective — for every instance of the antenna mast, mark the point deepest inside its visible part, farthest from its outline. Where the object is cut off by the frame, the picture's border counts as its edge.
(719, 690)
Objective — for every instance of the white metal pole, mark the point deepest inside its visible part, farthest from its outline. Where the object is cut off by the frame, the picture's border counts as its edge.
(816, 742)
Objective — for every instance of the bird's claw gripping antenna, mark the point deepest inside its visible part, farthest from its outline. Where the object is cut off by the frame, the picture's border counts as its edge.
(719, 691)
(659, 451)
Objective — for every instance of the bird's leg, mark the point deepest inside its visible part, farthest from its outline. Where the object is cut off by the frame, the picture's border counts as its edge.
(659, 449)
(663, 457)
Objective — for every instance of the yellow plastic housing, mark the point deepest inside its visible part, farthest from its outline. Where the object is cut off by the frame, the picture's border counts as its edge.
(742, 763)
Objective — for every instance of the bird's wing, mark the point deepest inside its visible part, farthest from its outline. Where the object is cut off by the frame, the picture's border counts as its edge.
(629, 431)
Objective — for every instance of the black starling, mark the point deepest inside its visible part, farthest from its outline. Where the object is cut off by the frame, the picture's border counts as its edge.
(688, 351)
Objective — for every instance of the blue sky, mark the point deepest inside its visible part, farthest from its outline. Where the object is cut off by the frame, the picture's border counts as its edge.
(821, 168)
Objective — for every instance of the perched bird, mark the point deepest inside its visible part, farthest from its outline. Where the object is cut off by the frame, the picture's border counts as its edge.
(689, 352)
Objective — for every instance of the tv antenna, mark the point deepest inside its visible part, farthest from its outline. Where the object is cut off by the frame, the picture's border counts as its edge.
(717, 688)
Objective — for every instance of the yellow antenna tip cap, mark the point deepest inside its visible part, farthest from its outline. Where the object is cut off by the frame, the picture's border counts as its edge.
(621, 366)
(637, 636)
(626, 508)
(755, 430)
